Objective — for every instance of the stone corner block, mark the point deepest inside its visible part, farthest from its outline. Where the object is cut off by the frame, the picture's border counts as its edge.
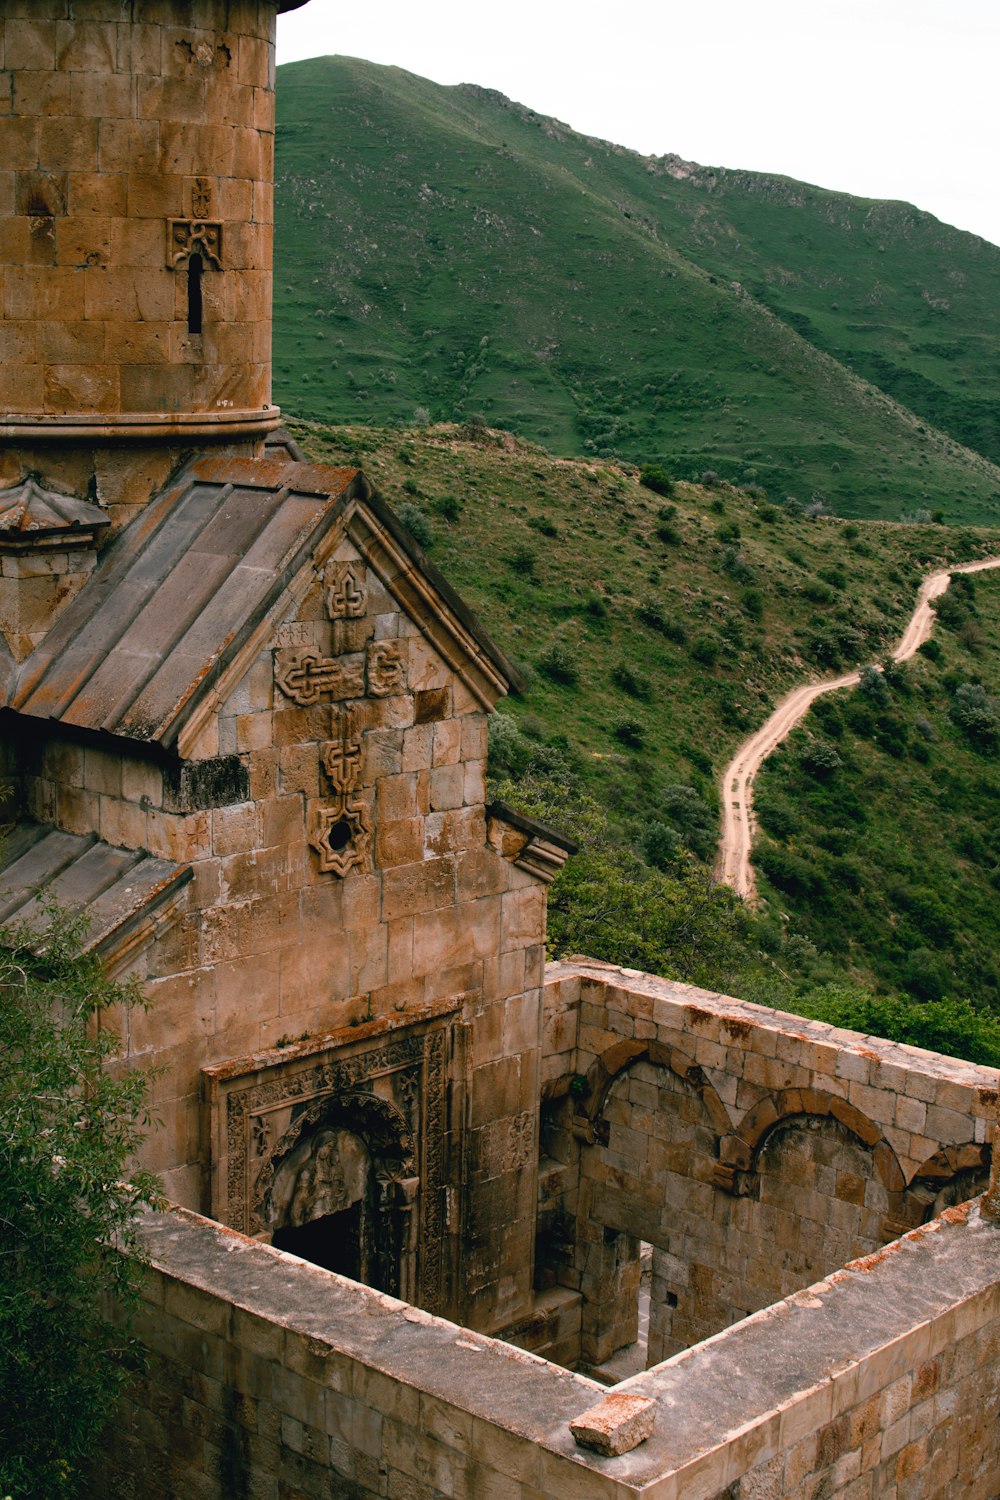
(615, 1425)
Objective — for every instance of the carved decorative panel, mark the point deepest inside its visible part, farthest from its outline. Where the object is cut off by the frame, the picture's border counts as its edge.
(186, 237)
(306, 677)
(346, 591)
(386, 669)
(391, 1089)
(341, 832)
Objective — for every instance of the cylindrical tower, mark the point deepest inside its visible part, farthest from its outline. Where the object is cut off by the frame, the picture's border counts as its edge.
(136, 191)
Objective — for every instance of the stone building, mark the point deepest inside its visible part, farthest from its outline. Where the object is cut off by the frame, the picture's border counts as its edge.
(245, 720)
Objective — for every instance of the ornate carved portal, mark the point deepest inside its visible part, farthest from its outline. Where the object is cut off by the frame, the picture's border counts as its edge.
(341, 1155)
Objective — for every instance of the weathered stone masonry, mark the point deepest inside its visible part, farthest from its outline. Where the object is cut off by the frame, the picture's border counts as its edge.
(756, 1151)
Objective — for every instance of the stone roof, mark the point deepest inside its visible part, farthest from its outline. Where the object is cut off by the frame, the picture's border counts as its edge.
(118, 891)
(191, 589)
(28, 512)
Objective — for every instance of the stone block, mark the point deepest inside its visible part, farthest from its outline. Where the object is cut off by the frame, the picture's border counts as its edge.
(447, 787)
(615, 1425)
(420, 887)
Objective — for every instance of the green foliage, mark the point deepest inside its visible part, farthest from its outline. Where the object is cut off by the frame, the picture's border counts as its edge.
(974, 711)
(69, 1126)
(543, 311)
(954, 1027)
(631, 682)
(559, 664)
(656, 479)
(416, 523)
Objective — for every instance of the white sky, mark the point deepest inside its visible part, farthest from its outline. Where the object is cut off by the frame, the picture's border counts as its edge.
(882, 98)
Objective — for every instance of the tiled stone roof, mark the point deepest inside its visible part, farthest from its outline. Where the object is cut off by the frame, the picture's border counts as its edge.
(27, 511)
(119, 891)
(198, 580)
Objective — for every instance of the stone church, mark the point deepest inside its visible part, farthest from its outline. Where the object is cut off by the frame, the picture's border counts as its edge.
(245, 723)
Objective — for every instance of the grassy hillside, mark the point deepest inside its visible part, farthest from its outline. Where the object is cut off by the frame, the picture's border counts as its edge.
(655, 632)
(881, 814)
(443, 252)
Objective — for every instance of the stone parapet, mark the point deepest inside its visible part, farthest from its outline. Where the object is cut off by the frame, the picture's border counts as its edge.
(269, 1376)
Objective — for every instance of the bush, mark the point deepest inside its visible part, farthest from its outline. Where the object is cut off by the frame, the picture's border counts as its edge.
(544, 525)
(559, 665)
(873, 685)
(652, 477)
(738, 566)
(631, 682)
(753, 604)
(449, 507)
(522, 560)
(665, 529)
(976, 713)
(629, 731)
(689, 814)
(819, 758)
(705, 649)
(710, 479)
(652, 616)
(416, 523)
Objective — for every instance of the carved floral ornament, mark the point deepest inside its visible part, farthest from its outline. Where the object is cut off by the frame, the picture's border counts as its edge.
(187, 237)
(341, 833)
(346, 590)
(307, 677)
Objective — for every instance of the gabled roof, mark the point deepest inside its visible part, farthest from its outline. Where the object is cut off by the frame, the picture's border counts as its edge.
(190, 590)
(29, 512)
(121, 892)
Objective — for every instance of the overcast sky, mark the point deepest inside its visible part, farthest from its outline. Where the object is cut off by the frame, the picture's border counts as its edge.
(882, 98)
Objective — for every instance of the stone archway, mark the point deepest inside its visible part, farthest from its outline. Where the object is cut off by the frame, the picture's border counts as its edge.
(323, 1204)
(340, 1189)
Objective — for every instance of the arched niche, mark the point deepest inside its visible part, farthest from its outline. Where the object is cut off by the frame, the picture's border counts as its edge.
(340, 1189)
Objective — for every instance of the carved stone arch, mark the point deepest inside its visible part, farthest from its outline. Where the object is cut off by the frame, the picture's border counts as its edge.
(590, 1124)
(378, 1122)
(384, 1133)
(951, 1176)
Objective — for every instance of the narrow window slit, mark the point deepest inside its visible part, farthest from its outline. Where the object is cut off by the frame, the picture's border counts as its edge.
(195, 268)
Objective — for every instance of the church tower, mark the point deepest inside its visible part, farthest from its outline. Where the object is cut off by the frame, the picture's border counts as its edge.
(136, 192)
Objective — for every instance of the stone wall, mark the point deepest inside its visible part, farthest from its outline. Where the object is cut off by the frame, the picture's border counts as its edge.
(273, 1379)
(286, 939)
(755, 1151)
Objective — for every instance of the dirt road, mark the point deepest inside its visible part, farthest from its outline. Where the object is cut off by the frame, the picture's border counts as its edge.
(738, 826)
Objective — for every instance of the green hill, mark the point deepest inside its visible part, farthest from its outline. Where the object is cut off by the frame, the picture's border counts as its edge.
(444, 252)
(656, 632)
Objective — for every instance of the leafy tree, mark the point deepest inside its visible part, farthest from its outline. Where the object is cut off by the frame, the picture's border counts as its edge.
(954, 1027)
(69, 1127)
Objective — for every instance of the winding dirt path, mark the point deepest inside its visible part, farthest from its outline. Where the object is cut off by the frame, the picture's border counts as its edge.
(738, 825)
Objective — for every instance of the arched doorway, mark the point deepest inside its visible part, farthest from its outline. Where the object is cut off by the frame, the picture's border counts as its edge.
(324, 1193)
(341, 1190)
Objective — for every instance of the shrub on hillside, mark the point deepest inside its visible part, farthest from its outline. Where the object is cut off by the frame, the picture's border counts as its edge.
(652, 477)
(416, 523)
(559, 664)
(631, 682)
(976, 713)
(819, 758)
